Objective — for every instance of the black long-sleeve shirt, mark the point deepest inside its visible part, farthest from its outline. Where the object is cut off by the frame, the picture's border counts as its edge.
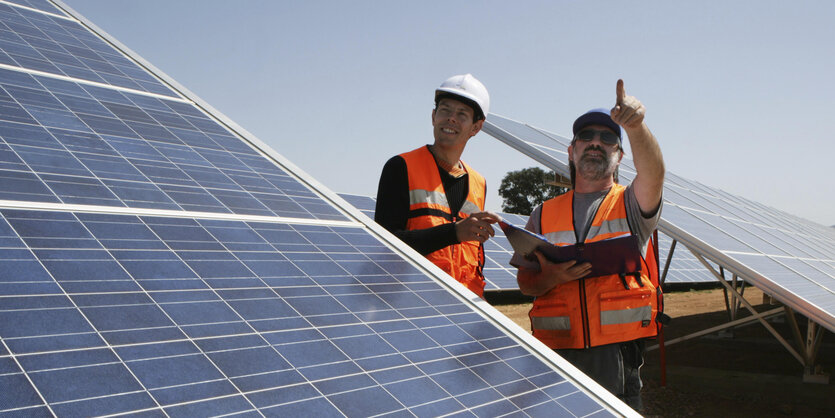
(392, 210)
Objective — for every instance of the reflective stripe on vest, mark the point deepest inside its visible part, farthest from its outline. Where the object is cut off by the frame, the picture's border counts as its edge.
(429, 207)
(599, 310)
(469, 207)
(625, 316)
(429, 197)
(607, 229)
(551, 322)
(438, 199)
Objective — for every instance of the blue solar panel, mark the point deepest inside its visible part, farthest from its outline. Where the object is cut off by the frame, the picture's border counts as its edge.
(365, 204)
(43, 5)
(69, 142)
(191, 316)
(109, 309)
(498, 273)
(61, 46)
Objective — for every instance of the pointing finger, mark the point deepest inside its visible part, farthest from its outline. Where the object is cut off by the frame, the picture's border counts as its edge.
(621, 93)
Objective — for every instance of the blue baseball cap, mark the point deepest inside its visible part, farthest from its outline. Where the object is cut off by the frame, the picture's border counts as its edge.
(599, 116)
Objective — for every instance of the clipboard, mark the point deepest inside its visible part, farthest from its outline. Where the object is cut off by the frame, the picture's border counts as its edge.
(620, 256)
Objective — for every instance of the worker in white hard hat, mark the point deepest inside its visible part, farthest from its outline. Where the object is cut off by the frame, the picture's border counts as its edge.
(431, 199)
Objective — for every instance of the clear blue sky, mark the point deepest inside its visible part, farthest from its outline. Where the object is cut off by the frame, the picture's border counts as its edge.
(741, 94)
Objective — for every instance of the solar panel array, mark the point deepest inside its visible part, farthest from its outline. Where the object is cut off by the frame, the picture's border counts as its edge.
(153, 261)
(498, 273)
(366, 204)
(785, 256)
(70, 142)
(684, 268)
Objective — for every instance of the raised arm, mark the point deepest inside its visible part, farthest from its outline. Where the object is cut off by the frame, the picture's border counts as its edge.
(629, 113)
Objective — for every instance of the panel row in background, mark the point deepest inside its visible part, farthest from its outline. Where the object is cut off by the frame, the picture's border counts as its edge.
(500, 275)
(109, 314)
(788, 257)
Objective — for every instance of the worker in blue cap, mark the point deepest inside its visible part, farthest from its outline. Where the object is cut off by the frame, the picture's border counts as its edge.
(599, 324)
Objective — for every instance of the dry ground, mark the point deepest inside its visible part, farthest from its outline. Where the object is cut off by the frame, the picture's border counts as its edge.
(741, 373)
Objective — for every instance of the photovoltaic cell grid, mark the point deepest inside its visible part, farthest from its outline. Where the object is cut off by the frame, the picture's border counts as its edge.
(43, 5)
(61, 46)
(684, 266)
(366, 204)
(195, 317)
(788, 257)
(113, 313)
(498, 273)
(68, 142)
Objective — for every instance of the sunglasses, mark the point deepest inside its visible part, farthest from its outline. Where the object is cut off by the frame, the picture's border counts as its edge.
(606, 137)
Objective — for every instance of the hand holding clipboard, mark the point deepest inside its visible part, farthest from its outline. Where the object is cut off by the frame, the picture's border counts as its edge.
(612, 256)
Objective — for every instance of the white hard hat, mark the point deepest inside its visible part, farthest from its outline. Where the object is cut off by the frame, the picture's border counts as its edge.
(468, 87)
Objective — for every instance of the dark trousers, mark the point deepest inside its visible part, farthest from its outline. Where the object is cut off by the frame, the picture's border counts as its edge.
(616, 367)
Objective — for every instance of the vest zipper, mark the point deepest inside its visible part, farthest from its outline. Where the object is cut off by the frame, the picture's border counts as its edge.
(454, 247)
(584, 316)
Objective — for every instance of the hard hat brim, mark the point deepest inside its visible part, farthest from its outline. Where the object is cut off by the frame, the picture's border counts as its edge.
(459, 93)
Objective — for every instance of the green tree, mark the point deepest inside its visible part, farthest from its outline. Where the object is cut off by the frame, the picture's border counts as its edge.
(523, 189)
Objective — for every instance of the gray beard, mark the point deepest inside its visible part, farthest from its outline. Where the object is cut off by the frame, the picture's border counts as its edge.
(594, 169)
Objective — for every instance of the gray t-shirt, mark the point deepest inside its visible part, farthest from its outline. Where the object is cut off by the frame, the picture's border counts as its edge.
(585, 207)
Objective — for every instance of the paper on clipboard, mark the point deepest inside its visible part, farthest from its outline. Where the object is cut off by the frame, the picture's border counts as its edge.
(611, 256)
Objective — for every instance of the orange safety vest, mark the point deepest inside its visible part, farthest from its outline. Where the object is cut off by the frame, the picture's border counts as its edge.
(594, 311)
(428, 207)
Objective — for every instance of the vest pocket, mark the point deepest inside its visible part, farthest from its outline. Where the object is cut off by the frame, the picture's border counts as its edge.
(552, 325)
(551, 317)
(468, 259)
(624, 310)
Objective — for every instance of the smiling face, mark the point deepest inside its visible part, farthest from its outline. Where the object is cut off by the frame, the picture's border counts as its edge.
(594, 160)
(453, 125)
